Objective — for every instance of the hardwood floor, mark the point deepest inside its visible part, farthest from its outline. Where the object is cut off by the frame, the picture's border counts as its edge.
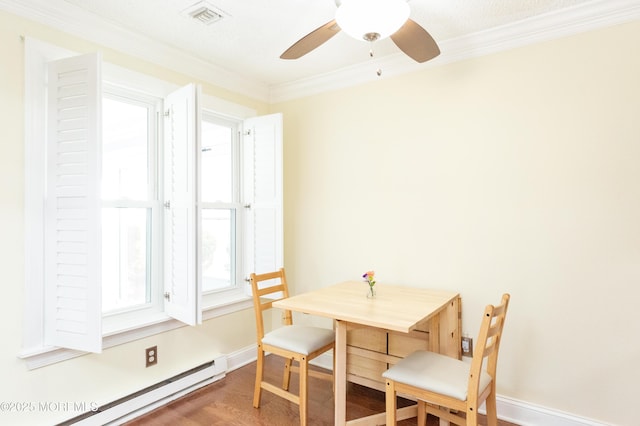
(228, 402)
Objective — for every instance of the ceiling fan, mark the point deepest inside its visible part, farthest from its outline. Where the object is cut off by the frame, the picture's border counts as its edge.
(371, 20)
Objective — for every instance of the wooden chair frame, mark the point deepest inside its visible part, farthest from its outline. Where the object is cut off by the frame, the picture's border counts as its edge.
(449, 408)
(261, 305)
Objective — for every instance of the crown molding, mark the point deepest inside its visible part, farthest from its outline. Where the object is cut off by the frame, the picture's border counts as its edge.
(585, 17)
(64, 17)
(581, 18)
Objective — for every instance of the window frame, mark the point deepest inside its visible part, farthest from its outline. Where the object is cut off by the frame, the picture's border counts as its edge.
(213, 298)
(35, 352)
(128, 317)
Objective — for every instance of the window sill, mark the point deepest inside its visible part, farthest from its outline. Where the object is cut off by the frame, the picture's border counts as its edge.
(46, 355)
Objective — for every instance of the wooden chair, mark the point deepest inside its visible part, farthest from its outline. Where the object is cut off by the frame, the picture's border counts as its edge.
(442, 384)
(293, 342)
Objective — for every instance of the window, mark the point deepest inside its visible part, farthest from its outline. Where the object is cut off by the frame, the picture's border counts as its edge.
(221, 214)
(130, 203)
(145, 204)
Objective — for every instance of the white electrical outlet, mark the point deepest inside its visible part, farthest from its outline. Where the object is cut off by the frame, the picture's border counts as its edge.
(151, 356)
(467, 346)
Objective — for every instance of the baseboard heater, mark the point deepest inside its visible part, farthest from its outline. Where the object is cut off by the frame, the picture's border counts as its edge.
(152, 397)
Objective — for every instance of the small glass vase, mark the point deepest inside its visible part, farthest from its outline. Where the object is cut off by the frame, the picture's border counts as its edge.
(371, 294)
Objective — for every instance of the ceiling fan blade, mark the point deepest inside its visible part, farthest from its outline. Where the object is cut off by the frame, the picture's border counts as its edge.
(416, 42)
(312, 40)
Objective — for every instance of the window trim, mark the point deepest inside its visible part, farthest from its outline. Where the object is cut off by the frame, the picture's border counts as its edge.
(35, 353)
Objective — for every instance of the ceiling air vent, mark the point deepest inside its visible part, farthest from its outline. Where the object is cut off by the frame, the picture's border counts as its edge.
(204, 12)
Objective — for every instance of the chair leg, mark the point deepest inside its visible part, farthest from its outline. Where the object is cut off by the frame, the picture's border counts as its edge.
(492, 412)
(445, 421)
(286, 378)
(304, 387)
(422, 413)
(333, 376)
(391, 403)
(472, 417)
(259, 374)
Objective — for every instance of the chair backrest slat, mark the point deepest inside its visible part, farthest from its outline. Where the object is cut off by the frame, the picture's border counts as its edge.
(270, 290)
(499, 310)
(488, 349)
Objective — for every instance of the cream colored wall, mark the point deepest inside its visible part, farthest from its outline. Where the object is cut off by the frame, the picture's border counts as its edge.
(118, 371)
(516, 172)
(513, 172)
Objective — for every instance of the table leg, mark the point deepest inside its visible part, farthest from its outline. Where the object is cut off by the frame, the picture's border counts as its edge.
(340, 374)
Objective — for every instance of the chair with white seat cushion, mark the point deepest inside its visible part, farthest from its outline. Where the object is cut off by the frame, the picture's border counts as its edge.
(441, 383)
(293, 342)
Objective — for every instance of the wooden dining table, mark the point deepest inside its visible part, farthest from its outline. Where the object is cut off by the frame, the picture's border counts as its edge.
(373, 333)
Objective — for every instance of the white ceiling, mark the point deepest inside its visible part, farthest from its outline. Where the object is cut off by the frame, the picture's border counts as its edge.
(246, 44)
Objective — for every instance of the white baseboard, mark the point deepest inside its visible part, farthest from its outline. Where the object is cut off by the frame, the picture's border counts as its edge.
(509, 409)
(145, 401)
(241, 357)
(528, 414)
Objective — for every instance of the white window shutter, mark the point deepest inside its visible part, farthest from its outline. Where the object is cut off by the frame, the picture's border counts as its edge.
(263, 193)
(183, 293)
(73, 308)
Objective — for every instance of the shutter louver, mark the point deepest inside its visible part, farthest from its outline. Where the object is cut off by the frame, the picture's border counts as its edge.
(72, 241)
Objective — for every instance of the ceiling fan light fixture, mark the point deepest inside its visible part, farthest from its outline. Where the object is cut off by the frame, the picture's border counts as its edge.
(362, 19)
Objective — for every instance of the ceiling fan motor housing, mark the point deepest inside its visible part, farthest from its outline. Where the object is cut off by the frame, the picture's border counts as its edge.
(372, 19)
